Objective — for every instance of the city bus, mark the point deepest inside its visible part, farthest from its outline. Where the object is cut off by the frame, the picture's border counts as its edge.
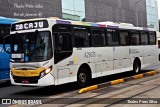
(5, 24)
(52, 51)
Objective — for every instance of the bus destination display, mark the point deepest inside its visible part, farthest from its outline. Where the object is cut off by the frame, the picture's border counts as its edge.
(29, 25)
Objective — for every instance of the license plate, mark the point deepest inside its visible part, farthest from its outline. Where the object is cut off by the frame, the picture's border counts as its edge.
(25, 81)
(16, 56)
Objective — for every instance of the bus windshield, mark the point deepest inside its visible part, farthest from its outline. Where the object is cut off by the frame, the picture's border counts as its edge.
(31, 47)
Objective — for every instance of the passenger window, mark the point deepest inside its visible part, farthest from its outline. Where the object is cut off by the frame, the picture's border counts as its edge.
(152, 38)
(144, 38)
(2, 30)
(98, 38)
(158, 43)
(135, 40)
(81, 37)
(7, 29)
(124, 38)
(112, 37)
(109, 38)
(1, 40)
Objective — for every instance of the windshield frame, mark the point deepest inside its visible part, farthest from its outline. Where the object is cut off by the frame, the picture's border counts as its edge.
(36, 35)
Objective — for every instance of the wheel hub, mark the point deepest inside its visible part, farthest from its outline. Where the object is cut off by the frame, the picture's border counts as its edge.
(82, 77)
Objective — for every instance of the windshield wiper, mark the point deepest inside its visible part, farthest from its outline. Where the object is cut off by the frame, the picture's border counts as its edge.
(11, 60)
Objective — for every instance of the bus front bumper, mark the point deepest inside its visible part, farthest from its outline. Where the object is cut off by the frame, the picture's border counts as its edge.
(44, 81)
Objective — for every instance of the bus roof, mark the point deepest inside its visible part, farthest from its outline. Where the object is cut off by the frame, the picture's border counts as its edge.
(4, 20)
(99, 24)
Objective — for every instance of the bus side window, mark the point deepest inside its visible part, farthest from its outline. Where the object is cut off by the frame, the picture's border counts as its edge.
(81, 37)
(135, 39)
(112, 37)
(1, 34)
(109, 37)
(152, 38)
(98, 37)
(144, 38)
(1, 30)
(124, 37)
(115, 38)
(158, 43)
(7, 30)
(1, 40)
(4, 31)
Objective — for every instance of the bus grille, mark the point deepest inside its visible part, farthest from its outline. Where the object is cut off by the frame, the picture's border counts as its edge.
(29, 80)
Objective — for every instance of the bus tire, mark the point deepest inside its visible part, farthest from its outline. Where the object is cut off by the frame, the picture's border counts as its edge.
(83, 77)
(136, 66)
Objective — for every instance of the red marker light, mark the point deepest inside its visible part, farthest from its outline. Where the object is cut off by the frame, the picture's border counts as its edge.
(100, 25)
(71, 72)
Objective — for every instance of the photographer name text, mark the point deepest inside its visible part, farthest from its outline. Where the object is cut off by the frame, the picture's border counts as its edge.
(22, 6)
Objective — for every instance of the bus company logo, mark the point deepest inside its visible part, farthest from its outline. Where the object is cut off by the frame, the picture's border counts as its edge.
(24, 73)
(6, 101)
(133, 51)
(2, 50)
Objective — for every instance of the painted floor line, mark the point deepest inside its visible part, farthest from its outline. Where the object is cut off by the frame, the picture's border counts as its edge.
(94, 87)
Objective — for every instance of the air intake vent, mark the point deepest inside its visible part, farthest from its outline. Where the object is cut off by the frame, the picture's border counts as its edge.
(24, 68)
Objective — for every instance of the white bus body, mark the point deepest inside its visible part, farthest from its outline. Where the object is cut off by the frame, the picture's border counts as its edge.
(76, 59)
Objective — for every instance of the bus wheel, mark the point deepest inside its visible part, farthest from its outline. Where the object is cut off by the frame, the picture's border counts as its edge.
(83, 77)
(136, 67)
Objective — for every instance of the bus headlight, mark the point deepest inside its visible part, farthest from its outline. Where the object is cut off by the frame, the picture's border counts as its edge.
(48, 70)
